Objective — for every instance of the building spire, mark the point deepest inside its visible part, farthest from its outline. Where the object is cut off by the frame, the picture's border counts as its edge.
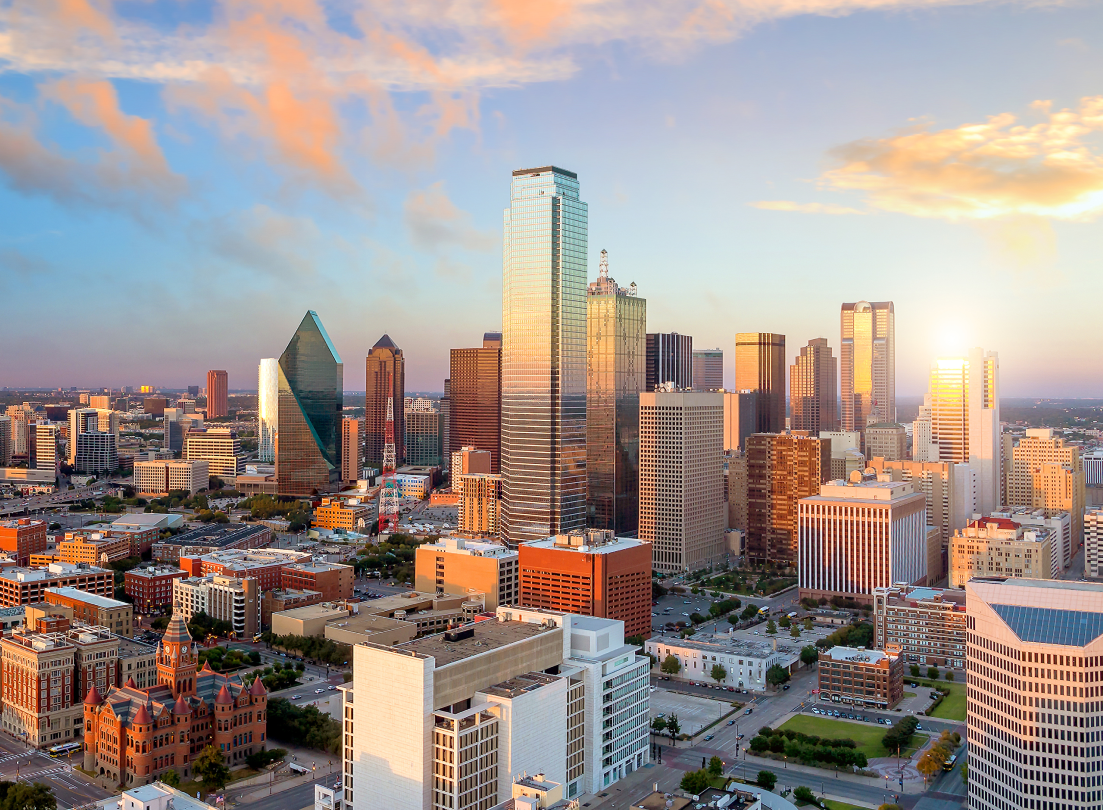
(603, 267)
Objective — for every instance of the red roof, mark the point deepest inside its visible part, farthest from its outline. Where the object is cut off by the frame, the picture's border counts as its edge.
(257, 688)
(1001, 523)
(224, 695)
(93, 697)
(142, 715)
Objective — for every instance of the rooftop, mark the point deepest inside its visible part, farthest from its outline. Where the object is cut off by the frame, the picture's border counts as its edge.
(316, 567)
(856, 655)
(590, 541)
(54, 571)
(485, 636)
(529, 682)
(322, 610)
(155, 571)
(953, 596)
(215, 535)
(729, 646)
(90, 598)
(472, 548)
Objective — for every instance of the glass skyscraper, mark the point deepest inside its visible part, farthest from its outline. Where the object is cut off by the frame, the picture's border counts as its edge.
(543, 356)
(616, 355)
(867, 364)
(311, 393)
(268, 395)
(760, 367)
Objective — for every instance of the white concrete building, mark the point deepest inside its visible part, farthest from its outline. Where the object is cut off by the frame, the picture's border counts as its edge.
(745, 662)
(1093, 542)
(1093, 468)
(1059, 523)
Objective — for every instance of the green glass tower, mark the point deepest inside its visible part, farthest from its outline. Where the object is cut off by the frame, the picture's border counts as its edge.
(311, 394)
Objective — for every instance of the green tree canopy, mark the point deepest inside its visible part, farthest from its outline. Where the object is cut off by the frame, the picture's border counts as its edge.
(771, 628)
(718, 672)
(716, 766)
(212, 768)
(809, 655)
(671, 665)
(766, 779)
(695, 782)
(777, 675)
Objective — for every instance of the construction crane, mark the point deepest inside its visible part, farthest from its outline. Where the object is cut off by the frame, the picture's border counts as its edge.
(388, 493)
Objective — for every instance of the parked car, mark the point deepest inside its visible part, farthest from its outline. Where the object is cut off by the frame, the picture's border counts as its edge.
(708, 737)
(731, 722)
(749, 710)
(296, 697)
(785, 687)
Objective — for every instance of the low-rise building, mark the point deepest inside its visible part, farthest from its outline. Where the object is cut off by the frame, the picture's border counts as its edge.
(279, 600)
(871, 678)
(412, 485)
(137, 662)
(23, 537)
(745, 662)
(1000, 547)
(94, 609)
(159, 478)
(223, 598)
(459, 566)
(265, 565)
(219, 447)
(25, 586)
(332, 580)
(37, 673)
(207, 539)
(927, 625)
(151, 587)
(92, 548)
(338, 513)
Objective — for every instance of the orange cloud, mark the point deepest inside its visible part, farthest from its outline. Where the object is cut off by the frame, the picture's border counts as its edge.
(528, 21)
(73, 16)
(805, 208)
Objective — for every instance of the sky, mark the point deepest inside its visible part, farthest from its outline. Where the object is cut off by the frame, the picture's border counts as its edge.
(180, 180)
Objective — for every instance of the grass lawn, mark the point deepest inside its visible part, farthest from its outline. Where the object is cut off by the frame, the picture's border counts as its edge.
(909, 694)
(835, 805)
(952, 706)
(868, 738)
(193, 786)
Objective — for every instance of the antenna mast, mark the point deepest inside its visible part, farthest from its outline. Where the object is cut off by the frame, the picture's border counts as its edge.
(388, 495)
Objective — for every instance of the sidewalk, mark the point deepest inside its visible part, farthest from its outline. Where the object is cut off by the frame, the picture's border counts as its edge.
(266, 784)
(825, 774)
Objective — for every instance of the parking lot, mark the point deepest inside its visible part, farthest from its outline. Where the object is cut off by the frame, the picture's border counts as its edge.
(693, 712)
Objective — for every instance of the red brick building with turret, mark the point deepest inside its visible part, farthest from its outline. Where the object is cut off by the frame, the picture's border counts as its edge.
(133, 736)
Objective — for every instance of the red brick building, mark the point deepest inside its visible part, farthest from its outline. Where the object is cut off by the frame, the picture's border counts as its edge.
(151, 588)
(591, 573)
(332, 580)
(23, 537)
(24, 586)
(134, 736)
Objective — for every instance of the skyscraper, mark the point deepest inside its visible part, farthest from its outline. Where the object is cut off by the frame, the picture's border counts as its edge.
(421, 421)
(867, 363)
(616, 330)
(352, 450)
(1043, 472)
(965, 419)
(760, 366)
(812, 389)
(544, 356)
(217, 391)
(669, 360)
(740, 418)
(781, 469)
(311, 380)
(708, 369)
(384, 363)
(268, 398)
(475, 398)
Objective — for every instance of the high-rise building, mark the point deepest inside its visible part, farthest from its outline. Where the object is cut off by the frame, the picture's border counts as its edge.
(760, 367)
(475, 398)
(1060, 523)
(859, 535)
(46, 444)
(89, 420)
(1000, 547)
(681, 478)
(352, 451)
(1093, 468)
(867, 364)
(460, 567)
(708, 369)
(446, 426)
(309, 415)
(5, 441)
(96, 453)
(590, 573)
(735, 468)
(1044, 472)
(471, 460)
(219, 447)
(669, 360)
(217, 394)
(21, 417)
(813, 389)
(480, 503)
(886, 440)
(616, 331)
(935, 480)
(1034, 661)
(159, 478)
(1093, 542)
(268, 400)
(740, 418)
(193, 391)
(781, 469)
(965, 420)
(177, 424)
(845, 455)
(385, 378)
(422, 424)
(544, 357)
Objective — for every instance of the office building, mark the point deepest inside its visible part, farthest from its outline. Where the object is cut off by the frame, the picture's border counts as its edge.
(25, 586)
(151, 586)
(1093, 468)
(708, 369)
(94, 548)
(481, 698)
(735, 471)
(859, 677)
(965, 420)
(813, 389)
(213, 537)
(39, 716)
(351, 515)
(177, 424)
(867, 364)
(936, 482)
(47, 440)
(616, 332)
(669, 359)
(746, 662)
(858, 535)
(886, 440)
(308, 426)
(1043, 472)
(1033, 735)
(480, 503)
(159, 478)
(590, 573)
(268, 400)
(681, 479)
(219, 447)
(781, 469)
(224, 598)
(217, 392)
(924, 448)
(423, 441)
(471, 460)
(474, 398)
(22, 537)
(162, 727)
(927, 625)
(740, 419)
(1093, 542)
(1060, 523)
(96, 453)
(265, 565)
(20, 418)
(385, 379)
(332, 580)
(460, 567)
(543, 462)
(1000, 547)
(845, 455)
(760, 367)
(5, 441)
(93, 609)
(352, 451)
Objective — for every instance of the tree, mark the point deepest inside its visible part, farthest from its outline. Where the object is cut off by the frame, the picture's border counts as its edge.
(808, 623)
(718, 673)
(716, 766)
(809, 655)
(671, 665)
(673, 727)
(804, 794)
(965, 772)
(771, 628)
(889, 806)
(658, 724)
(749, 612)
(696, 618)
(20, 796)
(172, 779)
(777, 675)
(794, 631)
(766, 779)
(949, 674)
(695, 782)
(915, 670)
(928, 766)
(784, 622)
(932, 673)
(210, 766)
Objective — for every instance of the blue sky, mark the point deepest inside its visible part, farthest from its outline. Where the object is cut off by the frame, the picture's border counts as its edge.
(180, 181)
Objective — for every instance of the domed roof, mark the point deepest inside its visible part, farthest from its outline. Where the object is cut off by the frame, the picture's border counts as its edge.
(224, 695)
(181, 706)
(93, 698)
(142, 716)
(257, 689)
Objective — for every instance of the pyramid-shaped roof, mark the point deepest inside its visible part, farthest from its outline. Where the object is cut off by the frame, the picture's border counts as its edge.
(257, 689)
(224, 695)
(385, 342)
(177, 631)
(93, 698)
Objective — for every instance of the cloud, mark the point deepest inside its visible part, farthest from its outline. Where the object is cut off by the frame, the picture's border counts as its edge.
(999, 168)
(435, 223)
(263, 241)
(16, 262)
(805, 208)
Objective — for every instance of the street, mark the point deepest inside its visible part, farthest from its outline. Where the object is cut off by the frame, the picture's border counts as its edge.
(70, 787)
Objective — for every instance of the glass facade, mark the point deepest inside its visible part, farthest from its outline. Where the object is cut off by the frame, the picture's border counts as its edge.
(616, 354)
(868, 364)
(760, 367)
(311, 395)
(544, 356)
(268, 397)
(669, 360)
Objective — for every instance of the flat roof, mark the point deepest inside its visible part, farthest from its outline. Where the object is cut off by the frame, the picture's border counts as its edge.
(856, 656)
(91, 598)
(318, 611)
(488, 635)
(315, 566)
(610, 546)
(214, 535)
(542, 169)
(733, 646)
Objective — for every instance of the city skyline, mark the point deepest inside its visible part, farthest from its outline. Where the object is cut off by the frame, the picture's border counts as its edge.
(155, 176)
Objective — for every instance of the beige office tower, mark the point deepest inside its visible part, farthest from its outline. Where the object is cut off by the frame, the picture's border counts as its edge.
(21, 417)
(1093, 542)
(1045, 473)
(760, 367)
(935, 480)
(887, 440)
(813, 388)
(867, 364)
(923, 447)
(480, 498)
(965, 419)
(845, 455)
(352, 450)
(995, 546)
(681, 483)
(740, 419)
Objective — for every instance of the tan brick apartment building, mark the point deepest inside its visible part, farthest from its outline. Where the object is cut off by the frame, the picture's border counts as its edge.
(93, 548)
(332, 580)
(99, 611)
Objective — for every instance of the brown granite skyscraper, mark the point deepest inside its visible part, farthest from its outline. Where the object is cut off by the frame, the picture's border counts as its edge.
(760, 366)
(781, 469)
(384, 363)
(813, 388)
(475, 398)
